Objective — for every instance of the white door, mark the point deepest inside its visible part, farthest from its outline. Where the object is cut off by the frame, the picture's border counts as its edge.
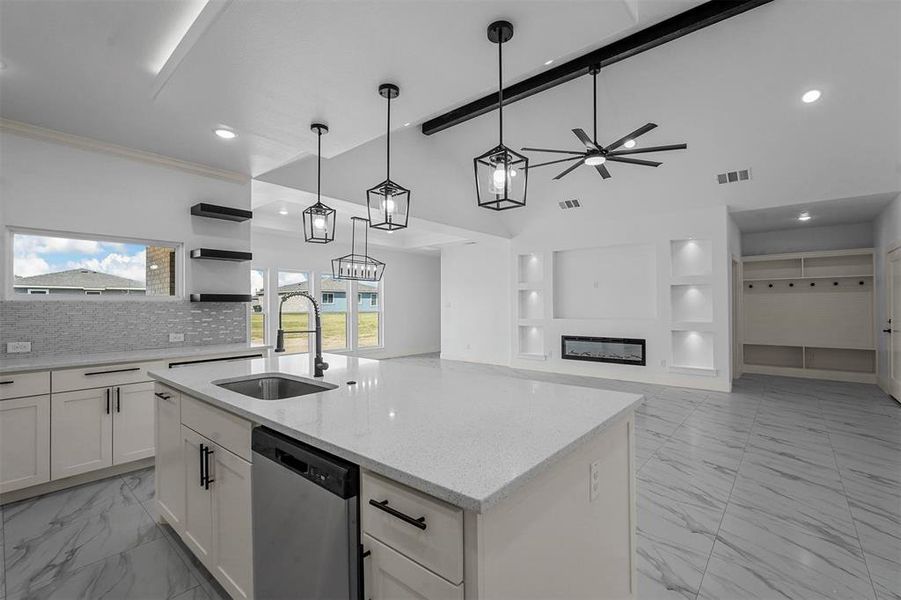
(81, 430)
(392, 576)
(133, 417)
(169, 477)
(232, 542)
(894, 325)
(24, 442)
(198, 528)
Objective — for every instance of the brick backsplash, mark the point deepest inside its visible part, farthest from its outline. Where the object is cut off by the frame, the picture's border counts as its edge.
(65, 327)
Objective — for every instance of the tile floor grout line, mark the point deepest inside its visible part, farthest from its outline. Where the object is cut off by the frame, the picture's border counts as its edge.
(729, 499)
(841, 480)
(670, 436)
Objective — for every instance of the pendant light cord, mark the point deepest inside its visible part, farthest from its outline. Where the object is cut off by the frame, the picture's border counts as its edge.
(500, 88)
(388, 141)
(318, 164)
(595, 106)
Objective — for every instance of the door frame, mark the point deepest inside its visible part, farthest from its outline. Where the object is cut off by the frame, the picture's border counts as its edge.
(885, 380)
(735, 327)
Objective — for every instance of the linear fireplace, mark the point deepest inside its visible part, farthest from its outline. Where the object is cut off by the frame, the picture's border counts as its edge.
(624, 351)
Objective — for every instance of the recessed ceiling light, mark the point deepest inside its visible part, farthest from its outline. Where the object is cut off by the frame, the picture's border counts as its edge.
(547, 62)
(406, 124)
(283, 211)
(225, 134)
(629, 144)
(595, 160)
(804, 216)
(811, 96)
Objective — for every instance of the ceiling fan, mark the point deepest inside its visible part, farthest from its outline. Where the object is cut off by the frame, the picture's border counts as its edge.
(596, 155)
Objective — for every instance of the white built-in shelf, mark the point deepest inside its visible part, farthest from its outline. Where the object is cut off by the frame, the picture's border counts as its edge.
(691, 258)
(530, 286)
(691, 302)
(530, 268)
(527, 356)
(531, 339)
(693, 349)
(703, 371)
(815, 278)
(531, 322)
(530, 304)
(692, 326)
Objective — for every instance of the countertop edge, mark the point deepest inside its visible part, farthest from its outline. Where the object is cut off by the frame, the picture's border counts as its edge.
(468, 503)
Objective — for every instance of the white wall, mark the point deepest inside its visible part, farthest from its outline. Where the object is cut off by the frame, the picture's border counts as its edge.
(476, 322)
(410, 287)
(808, 239)
(887, 236)
(60, 187)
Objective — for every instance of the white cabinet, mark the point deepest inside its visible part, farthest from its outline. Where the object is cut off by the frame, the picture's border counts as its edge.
(24, 442)
(198, 531)
(389, 575)
(133, 418)
(170, 470)
(82, 432)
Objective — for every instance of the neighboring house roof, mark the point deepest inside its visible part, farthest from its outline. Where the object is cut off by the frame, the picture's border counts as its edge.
(326, 285)
(78, 279)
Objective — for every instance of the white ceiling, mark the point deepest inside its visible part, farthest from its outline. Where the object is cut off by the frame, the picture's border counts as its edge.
(831, 212)
(159, 75)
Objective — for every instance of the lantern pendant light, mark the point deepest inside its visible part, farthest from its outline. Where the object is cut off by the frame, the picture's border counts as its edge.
(319, 219)
(358, 267)
(388, 203)
(501, 173)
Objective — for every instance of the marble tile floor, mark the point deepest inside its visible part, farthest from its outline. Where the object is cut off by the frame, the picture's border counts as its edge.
(784, 488)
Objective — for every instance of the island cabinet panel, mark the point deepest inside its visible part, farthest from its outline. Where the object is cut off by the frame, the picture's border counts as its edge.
(82, 430)
(228, 430)
(438, 545)
(24, 384)
(170, 468)
(232, 515)
(66, 380)
(198, 523)
(389, 575)
(24, 442)
(133, 418)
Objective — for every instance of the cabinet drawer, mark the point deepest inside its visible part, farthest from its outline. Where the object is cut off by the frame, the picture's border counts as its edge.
(24, 384)
(227, 430)
(67, 380)
(438, 546)
(389, 575)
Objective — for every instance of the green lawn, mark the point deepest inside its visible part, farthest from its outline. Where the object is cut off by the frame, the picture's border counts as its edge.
(334, 330)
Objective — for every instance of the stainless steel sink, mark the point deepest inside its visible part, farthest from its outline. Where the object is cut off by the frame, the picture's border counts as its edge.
(274, 386)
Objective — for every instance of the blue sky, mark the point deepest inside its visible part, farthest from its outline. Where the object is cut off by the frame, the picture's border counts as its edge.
(38, 254)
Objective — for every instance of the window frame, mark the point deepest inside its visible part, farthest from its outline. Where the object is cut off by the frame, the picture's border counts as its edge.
(275, 302)
(264, 303)
(330, 295)
(9, 292)
(379, 308)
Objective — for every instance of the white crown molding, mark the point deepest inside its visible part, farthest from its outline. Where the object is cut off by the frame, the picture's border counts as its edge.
(84, 143)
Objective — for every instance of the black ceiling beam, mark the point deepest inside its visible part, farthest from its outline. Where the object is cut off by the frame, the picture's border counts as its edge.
(691, 20)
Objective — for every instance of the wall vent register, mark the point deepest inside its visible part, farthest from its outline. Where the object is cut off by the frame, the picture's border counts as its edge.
(734, 176)
(567, 204)
(623, 351)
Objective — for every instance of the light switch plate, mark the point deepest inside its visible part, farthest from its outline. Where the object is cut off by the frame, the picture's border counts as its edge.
(14, 347)
(176, 337)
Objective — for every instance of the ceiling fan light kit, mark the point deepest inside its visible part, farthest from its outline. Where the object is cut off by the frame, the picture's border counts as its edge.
(358, 267)
(388, 203)
(319, 219)
(501, 173)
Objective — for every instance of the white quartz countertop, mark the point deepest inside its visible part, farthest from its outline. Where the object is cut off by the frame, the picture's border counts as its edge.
(467, 439)
(68, 361)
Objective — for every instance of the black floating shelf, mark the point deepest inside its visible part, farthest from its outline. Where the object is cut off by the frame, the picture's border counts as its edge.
(221, 297)
(213, 254)
(226, 213)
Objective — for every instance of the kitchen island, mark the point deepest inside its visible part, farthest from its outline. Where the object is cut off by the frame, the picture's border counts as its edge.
(530, 485)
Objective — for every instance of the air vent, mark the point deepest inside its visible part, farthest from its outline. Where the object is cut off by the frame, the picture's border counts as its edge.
(567, 204)
(734, 176)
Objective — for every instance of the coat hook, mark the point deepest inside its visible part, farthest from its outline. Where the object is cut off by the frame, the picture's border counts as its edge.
(791, 284)
(834, 283)
(750, 285)
(812, 283)
(771, 285)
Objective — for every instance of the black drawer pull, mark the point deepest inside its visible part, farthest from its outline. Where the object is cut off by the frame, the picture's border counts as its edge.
(112, 371)
(162, 396)
(6, 382)
(383, 505)
(118, 399)
(107, 400)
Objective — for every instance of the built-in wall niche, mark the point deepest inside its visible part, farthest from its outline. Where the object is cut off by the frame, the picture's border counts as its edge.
(531, 341)
(692, 258)
(531, 304)
(692, 303)
(693, 350)
(530, 268)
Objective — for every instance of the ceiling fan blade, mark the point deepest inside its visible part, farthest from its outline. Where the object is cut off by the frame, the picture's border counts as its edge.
(638, 132)
(650, 149)
(549, 150)
(554, 162)
(634, 161)
(603, 171)
(583, 137)
(567, 171)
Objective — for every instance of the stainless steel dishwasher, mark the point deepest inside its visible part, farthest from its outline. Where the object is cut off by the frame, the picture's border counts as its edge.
(306, 537)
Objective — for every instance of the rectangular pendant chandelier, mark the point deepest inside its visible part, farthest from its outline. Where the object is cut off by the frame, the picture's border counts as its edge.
(354, 266)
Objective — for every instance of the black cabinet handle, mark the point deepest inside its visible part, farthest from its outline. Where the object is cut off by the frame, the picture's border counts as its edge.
(6, 382)
(118, 399)
(206, 458)
(383, 505)
(202, 473)
(112, 371)
(367, 553)
(886, 331)
(107, 400)
(162, 396)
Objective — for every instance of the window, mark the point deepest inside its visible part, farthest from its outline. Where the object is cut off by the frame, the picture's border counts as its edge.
(369, 321)
(295, 310)
(328, 298)
(258, 306)
(86, 267)
(334, 313)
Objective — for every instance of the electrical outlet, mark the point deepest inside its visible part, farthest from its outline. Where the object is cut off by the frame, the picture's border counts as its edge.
(594, 481)
(176, 337)
(13, 347)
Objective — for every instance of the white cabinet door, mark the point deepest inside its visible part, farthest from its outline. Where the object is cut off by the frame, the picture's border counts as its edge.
(392, 576)
(24, 442)
(232, 543)
(133, 422)
(170, 467)
(198, 522)
(81, 426)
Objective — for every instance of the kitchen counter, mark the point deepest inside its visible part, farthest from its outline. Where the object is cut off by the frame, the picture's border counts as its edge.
(67, 361)
(470, 440)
